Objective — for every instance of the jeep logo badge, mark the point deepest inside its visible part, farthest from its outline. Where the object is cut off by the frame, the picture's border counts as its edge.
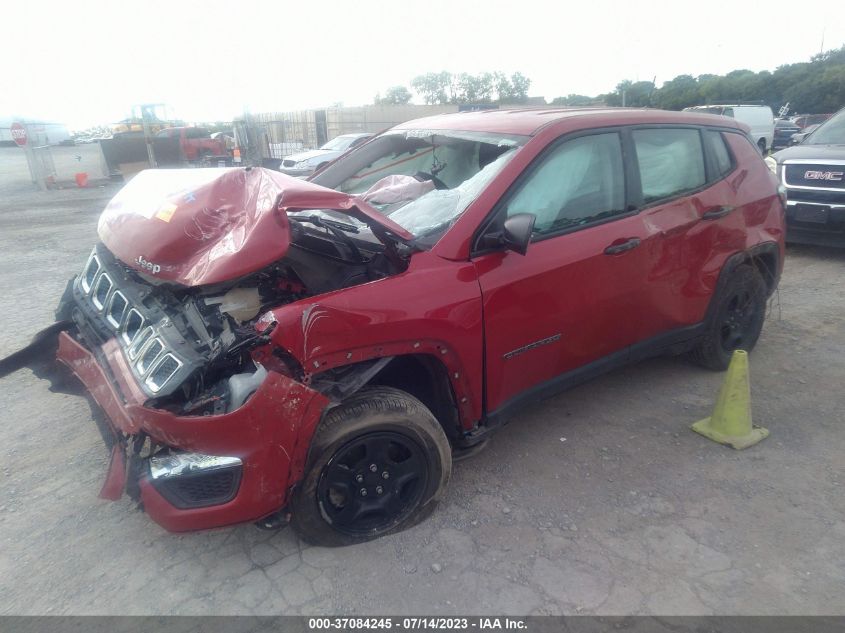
(143, 263)
(823, 175)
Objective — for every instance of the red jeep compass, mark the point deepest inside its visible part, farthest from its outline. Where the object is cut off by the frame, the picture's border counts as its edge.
(266, 347)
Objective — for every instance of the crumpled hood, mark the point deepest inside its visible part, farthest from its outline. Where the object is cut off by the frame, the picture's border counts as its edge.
(205, 226)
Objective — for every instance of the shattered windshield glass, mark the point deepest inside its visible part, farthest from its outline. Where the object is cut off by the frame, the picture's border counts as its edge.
(422, 179)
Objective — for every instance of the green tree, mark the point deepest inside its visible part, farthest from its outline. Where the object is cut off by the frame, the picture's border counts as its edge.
(633, 94)
(679, 93)
(575, 101)
(474, 88)
(821, 92)
(434, 88)
(395, 95)
(513, 89)
(486, 87)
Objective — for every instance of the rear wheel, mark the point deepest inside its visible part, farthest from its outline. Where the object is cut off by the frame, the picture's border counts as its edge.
(762, 145)
(737, 319)
(378, 464)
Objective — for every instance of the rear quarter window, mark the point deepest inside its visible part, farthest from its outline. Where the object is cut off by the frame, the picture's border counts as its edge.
(722, 160)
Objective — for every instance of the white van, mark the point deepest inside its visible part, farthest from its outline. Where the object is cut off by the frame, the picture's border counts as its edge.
(758, 117)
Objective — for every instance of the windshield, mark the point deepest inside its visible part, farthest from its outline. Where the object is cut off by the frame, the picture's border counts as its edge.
(422, 179)
(831, 132)
(339, 143)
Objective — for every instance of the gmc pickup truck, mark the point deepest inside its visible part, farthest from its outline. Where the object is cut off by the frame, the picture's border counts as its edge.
(813, 174)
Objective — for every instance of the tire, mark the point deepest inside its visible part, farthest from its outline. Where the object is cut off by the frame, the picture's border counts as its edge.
(382, 427)
(737, 319)
(762, 145)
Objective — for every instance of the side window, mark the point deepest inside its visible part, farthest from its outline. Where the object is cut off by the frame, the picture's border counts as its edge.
(722, 161)
(578, 182)
(671, 161)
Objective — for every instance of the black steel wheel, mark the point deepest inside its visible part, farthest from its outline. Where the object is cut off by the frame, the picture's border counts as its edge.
(736, 323)
(378, 463)
(372, 483)
(737, 319)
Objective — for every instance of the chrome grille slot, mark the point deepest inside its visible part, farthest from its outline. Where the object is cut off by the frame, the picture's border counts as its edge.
(114, 305)
(139, 342)
(90, 273)
(117, 309)
(148, 356)
(101, 291)
(134, 322)
(162, 372)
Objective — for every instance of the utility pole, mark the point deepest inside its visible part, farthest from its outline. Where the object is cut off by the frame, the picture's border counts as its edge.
(146, 112)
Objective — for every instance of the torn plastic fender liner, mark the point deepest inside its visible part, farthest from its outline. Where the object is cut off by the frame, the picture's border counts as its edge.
(270, 433)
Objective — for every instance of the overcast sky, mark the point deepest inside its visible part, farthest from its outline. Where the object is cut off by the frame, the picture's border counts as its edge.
(83, 62)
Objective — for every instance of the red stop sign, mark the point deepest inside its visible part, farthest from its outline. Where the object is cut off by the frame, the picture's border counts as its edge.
(18, 133)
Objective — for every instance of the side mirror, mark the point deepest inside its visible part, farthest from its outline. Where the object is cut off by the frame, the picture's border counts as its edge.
(517, 231)
(514, 236)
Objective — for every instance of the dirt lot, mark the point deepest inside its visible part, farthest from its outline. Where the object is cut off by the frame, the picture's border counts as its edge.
(597, 501)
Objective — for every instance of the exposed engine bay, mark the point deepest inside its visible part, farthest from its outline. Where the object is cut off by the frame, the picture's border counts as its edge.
(189, 347)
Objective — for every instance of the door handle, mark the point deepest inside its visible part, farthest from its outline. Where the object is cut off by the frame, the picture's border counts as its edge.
(716, 213)
(627, 245)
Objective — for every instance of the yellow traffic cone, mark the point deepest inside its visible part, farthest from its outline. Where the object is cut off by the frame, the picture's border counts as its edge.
(731, 420)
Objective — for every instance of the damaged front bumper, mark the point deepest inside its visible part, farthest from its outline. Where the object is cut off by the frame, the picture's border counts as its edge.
(214, 470)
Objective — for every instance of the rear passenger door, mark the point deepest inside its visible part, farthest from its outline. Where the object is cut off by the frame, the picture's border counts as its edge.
(686, 205)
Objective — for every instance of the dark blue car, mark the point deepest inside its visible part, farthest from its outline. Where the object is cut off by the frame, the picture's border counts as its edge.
(784, 130)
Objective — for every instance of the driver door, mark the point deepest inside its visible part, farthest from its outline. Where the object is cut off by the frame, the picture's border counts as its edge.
(576, 296)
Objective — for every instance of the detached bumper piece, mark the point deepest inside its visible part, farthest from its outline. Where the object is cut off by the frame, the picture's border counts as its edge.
(192, 480)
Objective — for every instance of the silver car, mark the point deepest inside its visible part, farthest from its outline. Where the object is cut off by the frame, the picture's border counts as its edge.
(306, 163)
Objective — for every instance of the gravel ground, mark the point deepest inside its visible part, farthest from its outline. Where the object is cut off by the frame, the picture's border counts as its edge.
(600, 500)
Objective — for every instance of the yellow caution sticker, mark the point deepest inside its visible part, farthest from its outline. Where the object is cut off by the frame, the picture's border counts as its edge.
(166, 211)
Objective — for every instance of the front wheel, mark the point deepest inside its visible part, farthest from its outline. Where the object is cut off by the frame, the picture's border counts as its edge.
(378, 464)
(737, 319)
